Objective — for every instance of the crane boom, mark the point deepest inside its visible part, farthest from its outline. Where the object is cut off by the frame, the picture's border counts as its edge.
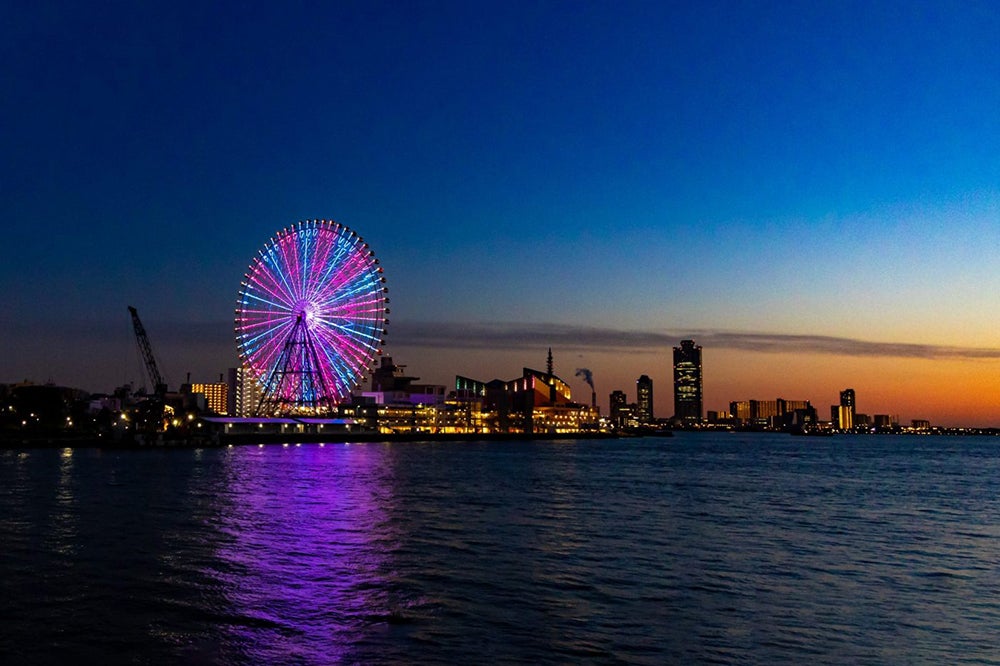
(159, 386)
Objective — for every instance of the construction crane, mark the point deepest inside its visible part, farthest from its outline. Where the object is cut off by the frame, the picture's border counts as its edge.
(159, 385)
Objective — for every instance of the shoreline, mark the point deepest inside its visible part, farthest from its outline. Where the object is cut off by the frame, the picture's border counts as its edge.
(249, 439)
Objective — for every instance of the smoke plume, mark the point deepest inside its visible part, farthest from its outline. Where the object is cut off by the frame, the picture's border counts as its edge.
(587, 375)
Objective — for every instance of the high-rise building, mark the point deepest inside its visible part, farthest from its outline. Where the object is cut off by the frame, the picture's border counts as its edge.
(687, 381)
(847, 399)
(845, 417)
(616, 402)
(244, 392)
(644, 398)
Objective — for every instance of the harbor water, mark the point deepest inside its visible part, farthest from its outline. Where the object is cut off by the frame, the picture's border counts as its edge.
(701, 548)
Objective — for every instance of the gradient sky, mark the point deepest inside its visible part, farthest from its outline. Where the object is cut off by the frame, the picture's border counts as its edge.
(810, 190)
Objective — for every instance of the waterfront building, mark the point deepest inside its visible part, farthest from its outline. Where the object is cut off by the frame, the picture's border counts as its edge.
(718, 417)
(644, 399)
(687, 381)
(391, 377)
(403, 405)
(779, 413)
(231, 380)
(787, 406)
(885, 421)
(848, 401)
(216, 396)
(842, 417)
(616, 402)
(244, 392)
(740, 410)
(534, 402)
(763, 410)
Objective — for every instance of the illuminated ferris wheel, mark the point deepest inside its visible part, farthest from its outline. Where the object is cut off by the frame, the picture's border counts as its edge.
(311, 317)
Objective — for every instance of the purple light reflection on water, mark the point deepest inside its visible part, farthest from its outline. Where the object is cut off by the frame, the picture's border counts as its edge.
(309, 550)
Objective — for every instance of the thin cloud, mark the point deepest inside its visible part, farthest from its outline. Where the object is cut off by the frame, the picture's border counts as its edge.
(580, 338)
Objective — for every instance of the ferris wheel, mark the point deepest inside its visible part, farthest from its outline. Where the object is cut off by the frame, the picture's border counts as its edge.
(311, 317)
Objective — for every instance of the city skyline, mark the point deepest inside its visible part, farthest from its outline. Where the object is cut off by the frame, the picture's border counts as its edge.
(809, 192)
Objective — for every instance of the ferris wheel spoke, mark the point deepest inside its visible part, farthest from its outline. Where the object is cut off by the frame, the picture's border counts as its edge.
(354, 293)
(284, 272)
(323, 262)
(350, 352)
(269, 290)
(345, 271)
(275, 305)
(346, 344)
(265, 339)
(287, 273)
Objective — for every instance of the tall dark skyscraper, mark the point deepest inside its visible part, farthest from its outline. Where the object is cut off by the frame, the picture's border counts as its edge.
(644, 399)
(847, 399)
(687, 381)
(844, 417)
(617, 402)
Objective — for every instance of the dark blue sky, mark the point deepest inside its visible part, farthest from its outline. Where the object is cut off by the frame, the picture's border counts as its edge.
(821, 169)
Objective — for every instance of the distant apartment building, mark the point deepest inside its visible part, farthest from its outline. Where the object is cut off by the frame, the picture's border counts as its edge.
(216, 396)
(885, 421)
(644, 399)
(792, 405)
(616, 403)
(244, 392)
(687, 381)
(771, 413)
(842, 417)
(718, 417)
(763, 410)
(740, 410)
(848, 400)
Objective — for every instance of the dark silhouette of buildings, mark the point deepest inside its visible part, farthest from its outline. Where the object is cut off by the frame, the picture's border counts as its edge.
(617, 401)
(391, 377)
(687, 381)
(847, 399)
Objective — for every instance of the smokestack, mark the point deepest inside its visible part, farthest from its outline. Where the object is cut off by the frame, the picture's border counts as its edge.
(588, 377)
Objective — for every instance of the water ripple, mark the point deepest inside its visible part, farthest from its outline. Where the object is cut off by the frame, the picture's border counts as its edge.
(700, 549)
